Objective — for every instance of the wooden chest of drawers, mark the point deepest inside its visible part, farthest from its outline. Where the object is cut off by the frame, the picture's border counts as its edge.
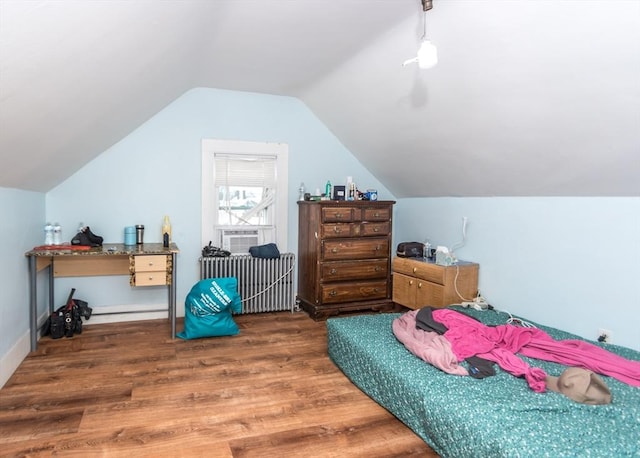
(417, 283)
(344, 256)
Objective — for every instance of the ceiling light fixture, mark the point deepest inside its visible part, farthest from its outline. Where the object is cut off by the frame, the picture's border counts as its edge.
(427, 53)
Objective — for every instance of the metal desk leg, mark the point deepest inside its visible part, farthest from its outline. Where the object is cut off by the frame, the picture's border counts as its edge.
(33, 303)
(51, 287)
(172, 295)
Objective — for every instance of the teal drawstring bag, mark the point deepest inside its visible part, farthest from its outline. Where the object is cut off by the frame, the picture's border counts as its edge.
(208, 309)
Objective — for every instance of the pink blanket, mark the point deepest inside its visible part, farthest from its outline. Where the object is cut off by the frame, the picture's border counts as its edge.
(469, 337)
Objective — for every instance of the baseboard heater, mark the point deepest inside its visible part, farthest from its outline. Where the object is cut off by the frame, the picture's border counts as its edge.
(265, 285)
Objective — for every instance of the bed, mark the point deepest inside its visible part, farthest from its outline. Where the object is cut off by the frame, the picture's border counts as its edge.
(497, 416)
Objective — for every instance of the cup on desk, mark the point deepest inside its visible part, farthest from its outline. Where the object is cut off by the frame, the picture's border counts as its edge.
(139, 234)
(130, 235)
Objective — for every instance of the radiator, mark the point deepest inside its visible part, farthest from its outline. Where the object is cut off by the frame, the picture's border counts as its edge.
(265, 285)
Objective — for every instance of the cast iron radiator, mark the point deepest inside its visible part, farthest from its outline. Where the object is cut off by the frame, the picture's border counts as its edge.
(265, 285)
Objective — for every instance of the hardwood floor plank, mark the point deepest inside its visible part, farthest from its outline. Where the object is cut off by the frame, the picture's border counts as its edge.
(126, 389)
(336, 440)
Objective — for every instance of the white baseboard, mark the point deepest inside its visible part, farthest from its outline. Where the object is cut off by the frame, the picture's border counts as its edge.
(105, 314)
(14, 357)
(120, 313)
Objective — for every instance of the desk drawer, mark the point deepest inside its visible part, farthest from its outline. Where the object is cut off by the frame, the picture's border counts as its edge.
(87, 266)
(149, 279)
(150, 263)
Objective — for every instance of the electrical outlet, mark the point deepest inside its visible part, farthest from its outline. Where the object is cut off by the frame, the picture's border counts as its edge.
(604, 335)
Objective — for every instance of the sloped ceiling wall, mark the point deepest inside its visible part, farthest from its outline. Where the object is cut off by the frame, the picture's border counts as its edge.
(529, 97)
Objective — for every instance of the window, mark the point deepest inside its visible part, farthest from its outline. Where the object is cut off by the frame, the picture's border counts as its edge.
(244, 194)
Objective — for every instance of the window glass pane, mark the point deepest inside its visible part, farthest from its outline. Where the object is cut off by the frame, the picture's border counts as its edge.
(243, 205)
(245, 188)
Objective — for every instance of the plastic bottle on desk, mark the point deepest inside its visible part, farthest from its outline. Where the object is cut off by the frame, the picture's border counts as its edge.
(57, 234)
(48, 234)
(327, 190)
(166, 232)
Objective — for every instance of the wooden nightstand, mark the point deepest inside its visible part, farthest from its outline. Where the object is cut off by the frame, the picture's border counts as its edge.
(418, 283)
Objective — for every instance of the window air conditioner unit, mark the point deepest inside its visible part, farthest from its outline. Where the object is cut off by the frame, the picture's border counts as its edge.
(240, 240)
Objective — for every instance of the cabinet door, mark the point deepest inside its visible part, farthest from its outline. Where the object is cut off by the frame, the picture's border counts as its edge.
(428, 293)
(404, 290)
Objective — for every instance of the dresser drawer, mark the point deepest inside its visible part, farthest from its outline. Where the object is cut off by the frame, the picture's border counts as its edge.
(357, 291)
(355, 249)
(377, 214)
(337, 230)
(354, 270)
(369, 229)
(337, 214)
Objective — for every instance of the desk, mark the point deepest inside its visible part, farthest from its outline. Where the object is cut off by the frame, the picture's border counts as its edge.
(149, 264)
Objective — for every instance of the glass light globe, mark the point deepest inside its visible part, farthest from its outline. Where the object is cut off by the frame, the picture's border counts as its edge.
(427, 55)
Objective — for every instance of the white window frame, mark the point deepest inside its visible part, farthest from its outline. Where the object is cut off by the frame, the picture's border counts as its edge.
(210, 199)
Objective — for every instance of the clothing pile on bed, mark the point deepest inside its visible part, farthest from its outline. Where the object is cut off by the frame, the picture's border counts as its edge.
(445, 338)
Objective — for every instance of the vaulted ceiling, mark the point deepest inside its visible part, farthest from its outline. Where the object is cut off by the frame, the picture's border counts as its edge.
(530, 97)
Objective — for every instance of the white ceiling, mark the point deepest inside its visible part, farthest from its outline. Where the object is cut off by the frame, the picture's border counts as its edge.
(530, 97)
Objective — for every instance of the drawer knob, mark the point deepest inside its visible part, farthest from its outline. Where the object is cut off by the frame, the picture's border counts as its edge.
(414, 270)
(376, 229)
(333, 293)
(339, 215)
(411, 282)
(377, 248)
(376, 214)
(334, 250)
(150, 263)
(150, 278)
(333, 271)
(336, 229)
(376, 290)
(378, 268)
(420, 285)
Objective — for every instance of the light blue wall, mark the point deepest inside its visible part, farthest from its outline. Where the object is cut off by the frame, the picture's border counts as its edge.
(572, 263)
(567, 262)
(156, 171)
(22, 215)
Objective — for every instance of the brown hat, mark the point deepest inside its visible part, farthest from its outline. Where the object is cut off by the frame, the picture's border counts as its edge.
(581, 385)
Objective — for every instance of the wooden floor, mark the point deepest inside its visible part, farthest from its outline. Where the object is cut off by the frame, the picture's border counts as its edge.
(127, 389)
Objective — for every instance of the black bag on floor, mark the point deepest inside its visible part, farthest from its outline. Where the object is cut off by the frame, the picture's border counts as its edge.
(67, 320)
